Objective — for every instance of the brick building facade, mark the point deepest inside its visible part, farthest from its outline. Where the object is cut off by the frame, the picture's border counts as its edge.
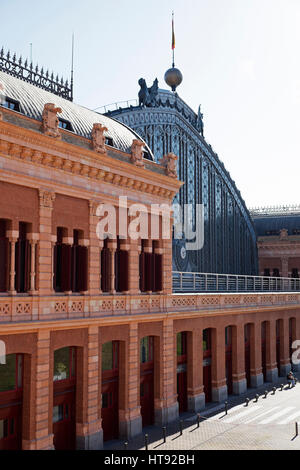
(97, 345)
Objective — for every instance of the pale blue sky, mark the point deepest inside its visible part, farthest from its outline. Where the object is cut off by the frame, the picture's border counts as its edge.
(240, 59)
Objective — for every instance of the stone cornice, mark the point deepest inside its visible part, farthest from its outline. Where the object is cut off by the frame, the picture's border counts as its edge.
(31, 146)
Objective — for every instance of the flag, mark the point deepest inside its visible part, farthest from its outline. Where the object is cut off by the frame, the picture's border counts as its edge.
(173, 34)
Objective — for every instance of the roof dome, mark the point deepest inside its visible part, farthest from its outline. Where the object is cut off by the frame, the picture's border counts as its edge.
(173, 78)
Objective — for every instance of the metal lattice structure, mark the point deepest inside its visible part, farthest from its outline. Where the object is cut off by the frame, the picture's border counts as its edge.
(40, 78)
(229, 236)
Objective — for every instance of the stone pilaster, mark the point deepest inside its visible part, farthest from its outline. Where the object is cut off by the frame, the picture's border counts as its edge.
(271, 364)
(89, 435)
(219, 383)
(256, 374)
(41, 439)
(196, 396)
(44, 254)
(94, 267)
(166, 405)
(130, 420)
(238, 360)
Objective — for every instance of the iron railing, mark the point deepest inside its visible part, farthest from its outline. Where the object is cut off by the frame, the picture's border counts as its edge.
(207, 282)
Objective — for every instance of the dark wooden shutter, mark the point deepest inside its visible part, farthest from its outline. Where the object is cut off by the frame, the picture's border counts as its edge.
(123, 271)
(4, 251)
(105, 269)
(142, 272)
(81, 268)
(148, 271)
(157, 273)
(66, 252)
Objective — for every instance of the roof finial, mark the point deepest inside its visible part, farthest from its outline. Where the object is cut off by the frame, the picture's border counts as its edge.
(173, 76)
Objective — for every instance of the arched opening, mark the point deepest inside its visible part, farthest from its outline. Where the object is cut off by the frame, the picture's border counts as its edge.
(110, 390)
(207, 358)
(64, 399)
(182, 371)
(147, 380)
(228, 358)
(11, 400)
(247, 354)
(264, 349)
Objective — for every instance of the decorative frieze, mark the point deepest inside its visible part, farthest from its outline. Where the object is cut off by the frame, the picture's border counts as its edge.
(77, 168)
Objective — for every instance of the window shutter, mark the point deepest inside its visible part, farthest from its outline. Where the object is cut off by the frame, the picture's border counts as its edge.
(26, 269)
(18, 266)
(105, 269)
(55, 267)
(3, 264)
(142, 272)
(81, 268)
(157, 273)
(66, 252)
(148, 272)
(123, 271)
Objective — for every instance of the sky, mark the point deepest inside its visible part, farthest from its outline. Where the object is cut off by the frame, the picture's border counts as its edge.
(239, 58)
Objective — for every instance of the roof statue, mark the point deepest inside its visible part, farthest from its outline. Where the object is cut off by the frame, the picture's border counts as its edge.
(147, 96)
(199, 123)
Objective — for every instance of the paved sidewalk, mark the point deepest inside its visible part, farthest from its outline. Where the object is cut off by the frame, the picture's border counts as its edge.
(264, 425)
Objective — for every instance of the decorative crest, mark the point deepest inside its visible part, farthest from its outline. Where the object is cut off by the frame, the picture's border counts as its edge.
(41, 79)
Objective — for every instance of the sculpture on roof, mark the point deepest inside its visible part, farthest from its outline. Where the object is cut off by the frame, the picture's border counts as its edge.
(50, 120)
(169, 162)
(137, 152)
(98, 138)
(147, 96)
(199, 123)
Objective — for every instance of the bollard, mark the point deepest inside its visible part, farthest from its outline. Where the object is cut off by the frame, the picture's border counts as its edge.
(281, 387)
(266, 393)
(126, 445)
(146, 441)
(164, 430)
(181, 427)
(274, 390)
(198, 420)
(296, 429)
(256, 397)
(226, 407)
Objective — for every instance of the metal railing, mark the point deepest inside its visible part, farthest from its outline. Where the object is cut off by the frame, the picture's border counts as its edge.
(116, 106)
(207, 282)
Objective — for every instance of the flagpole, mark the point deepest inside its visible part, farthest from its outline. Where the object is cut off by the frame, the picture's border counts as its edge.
(173, 45)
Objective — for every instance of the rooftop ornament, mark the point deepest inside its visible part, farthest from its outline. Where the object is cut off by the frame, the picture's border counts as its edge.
(40, 78)
(173, 76)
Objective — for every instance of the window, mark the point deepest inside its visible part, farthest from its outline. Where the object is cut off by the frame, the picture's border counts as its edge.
(267, 272)
(275, 272)
(146, 349)
(206, 340)
(295, 273)
(228, 339)
(9, 103)
(58, 413)
(109, 141)
(11, 373)
(110, 356)
(181, 344)
(64, 364)
(64, 124)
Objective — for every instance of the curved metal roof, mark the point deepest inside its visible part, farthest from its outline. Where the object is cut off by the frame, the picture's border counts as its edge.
(32, 100)
(265, 226)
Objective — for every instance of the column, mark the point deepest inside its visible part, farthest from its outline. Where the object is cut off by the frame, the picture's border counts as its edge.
(219, 383)
(167, 266)
(89, 434)
(94, 265)
(238, 360)
(285, 363)
(125, 249)
(195, 388)
(271, 364)
(69, 241)
(40, 437)
(166, 405)
(44, 256)
(33, 238)
(12, 235)
(134, 267)
(130, 420)
(296, 350)
(112, 246)
(256, 374)
(284, 267)
(148, 265)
